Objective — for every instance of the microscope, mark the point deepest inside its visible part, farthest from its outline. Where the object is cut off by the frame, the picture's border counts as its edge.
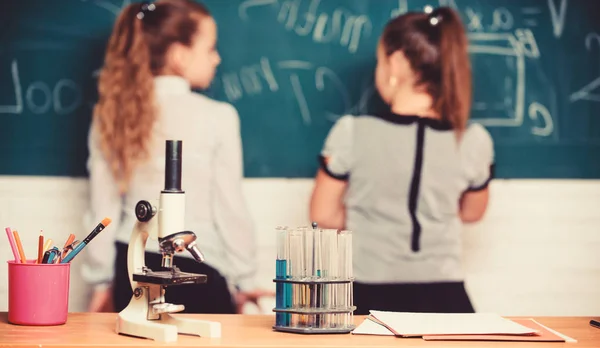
(148, 315)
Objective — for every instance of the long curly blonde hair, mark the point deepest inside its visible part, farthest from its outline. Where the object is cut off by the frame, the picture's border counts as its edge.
(126, 111)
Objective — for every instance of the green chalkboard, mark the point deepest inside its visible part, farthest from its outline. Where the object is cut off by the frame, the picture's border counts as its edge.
(292, 67)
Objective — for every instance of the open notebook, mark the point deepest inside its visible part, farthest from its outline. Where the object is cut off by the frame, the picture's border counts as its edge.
(408, 324)
(488, 327)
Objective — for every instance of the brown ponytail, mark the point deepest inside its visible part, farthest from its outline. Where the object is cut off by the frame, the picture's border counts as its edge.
(454, 100)
(126, 112)
(435, 44)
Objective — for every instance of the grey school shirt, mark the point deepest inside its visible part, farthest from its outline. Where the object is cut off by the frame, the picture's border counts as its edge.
(405, 177)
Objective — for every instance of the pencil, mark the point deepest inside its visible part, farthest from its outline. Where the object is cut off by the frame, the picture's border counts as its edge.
(13, 246)
(20, 247)
(47, 245)
(40, 247)
(69, 240)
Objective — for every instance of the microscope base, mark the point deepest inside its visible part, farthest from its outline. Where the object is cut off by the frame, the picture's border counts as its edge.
(167, 327)
(141, 319)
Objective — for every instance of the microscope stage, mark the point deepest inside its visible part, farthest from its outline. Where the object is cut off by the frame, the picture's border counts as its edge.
(169, 277)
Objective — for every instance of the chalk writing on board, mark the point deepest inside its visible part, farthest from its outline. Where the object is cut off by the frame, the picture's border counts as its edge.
(249, 80)
(514, 48)
(401, 9)
(40, 96)
(262, 78)
(109, 6)
(558, 16)
(586, 93)
(536, 111)
(504, 45)
(530, 11)
(301, 99)
(17, 108)
(341, 26)
(321, 74)
(500, 19)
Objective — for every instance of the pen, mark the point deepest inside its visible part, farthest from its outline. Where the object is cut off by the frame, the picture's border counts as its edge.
(595, 323)
(40, 247)
(50, 255)
(20, 247)
(13, 246)
(101, 226)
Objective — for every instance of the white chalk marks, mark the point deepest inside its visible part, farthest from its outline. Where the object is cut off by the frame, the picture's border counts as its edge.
(587, 92)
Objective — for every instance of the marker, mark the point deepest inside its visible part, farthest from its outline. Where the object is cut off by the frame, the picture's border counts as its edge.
(101, 226)
(50, 255)
(595, 323)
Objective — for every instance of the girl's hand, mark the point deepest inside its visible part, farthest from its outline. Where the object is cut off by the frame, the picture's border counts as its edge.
(101, 301)
(253, 296)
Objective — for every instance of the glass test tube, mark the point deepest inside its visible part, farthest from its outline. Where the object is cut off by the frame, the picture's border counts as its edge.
(329, 272)
(350, 274)
(344, 267)
(316, 289)
(296, 252)
(282, 297)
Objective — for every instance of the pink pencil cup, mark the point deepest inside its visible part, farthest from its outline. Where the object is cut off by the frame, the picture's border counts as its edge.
(38, 294)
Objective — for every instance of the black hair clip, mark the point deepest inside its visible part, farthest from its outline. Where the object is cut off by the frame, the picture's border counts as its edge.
(146, 7)
(433, 18)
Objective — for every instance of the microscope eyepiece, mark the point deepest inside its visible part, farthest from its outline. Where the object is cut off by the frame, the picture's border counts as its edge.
(173, 154)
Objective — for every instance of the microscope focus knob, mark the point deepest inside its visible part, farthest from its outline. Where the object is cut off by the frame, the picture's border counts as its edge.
(144, 211)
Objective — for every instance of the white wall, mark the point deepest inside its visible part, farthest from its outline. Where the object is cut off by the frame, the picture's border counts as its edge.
(537, 252)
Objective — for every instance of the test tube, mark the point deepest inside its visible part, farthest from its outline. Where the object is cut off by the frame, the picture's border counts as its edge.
(281, 272)
(316, 291)
(296, 251)
(344, 267)
(307, 273)
(329, 272)
(350, 274)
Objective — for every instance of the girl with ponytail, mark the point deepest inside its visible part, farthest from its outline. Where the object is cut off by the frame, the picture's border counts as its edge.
(406, 180)
(156, 54)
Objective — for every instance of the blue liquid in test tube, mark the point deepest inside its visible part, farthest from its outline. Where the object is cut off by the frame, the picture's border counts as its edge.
(282, 290)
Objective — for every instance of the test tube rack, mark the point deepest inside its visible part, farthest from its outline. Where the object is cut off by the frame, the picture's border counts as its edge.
(312, 314)
(314, 281)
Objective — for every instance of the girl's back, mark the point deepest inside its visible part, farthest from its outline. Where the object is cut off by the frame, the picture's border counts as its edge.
(406, 175)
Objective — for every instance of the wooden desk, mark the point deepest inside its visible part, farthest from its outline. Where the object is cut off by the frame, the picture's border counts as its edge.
(97, 329)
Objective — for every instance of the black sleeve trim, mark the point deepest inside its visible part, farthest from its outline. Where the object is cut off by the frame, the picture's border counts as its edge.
(323, 165)
(485, 184)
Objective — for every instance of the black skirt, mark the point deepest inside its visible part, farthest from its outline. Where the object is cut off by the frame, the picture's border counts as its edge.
(211, 297)
(450, 297)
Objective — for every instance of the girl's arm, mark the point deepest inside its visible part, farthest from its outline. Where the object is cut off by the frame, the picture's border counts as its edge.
(228, 204)
(105, 201)
(473, 205)
(327, 201)
(479, 160)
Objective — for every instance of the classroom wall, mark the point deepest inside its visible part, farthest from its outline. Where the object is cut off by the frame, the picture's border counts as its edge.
(537, 252)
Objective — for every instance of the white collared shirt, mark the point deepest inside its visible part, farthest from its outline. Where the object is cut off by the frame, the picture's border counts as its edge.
(211, 178)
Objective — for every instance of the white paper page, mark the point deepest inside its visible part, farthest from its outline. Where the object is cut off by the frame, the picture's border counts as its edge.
(567, 338)
(369, 327)
(418, 324)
